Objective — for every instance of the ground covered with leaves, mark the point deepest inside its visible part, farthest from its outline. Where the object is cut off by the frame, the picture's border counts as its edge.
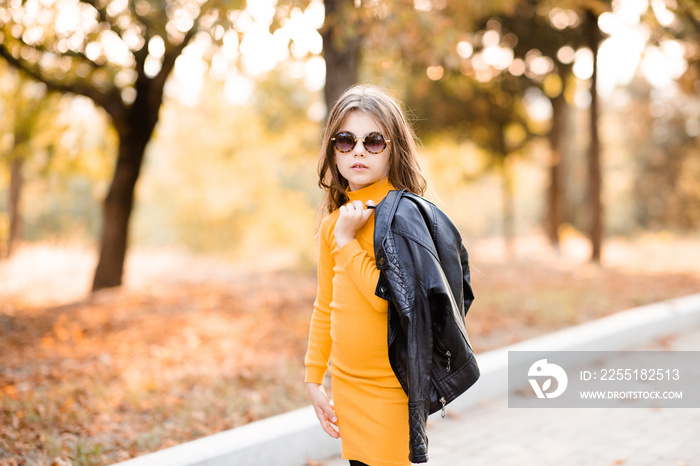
(193, 346)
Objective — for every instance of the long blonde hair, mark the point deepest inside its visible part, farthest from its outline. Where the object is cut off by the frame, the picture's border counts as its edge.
(404, 171)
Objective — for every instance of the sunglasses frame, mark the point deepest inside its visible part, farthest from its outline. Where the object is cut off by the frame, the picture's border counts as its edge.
(355, 139)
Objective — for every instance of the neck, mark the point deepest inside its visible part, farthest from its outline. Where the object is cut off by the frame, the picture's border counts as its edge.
(374, 192)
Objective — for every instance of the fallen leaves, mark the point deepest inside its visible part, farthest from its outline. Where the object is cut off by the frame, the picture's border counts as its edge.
(134, 370)
(129, 372)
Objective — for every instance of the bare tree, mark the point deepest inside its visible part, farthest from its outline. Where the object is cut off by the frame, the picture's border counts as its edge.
(595, 180)
(120, 56)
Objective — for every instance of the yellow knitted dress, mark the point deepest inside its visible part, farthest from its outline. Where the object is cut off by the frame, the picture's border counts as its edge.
(349, 326)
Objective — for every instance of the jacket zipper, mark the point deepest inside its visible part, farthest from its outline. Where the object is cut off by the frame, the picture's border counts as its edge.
(447, 354)
(442, 398)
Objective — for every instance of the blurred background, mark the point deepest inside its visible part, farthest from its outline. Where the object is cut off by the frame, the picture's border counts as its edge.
(537, 118)
(165, 152)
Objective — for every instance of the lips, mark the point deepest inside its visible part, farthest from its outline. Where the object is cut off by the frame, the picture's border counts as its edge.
(359, 166)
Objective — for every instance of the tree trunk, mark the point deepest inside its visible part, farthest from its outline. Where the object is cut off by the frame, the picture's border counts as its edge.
(341, 49)
(556, 194)
(134, 123)
(135, 127)
(593, 37)
(117, 210)
(14, 207)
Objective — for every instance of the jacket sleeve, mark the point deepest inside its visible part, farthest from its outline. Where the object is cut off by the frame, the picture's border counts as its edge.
(363, 272)
(412, 303)
(420, 345)
(319, 345)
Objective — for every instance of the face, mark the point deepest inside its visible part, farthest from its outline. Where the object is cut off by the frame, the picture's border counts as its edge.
(360, 167)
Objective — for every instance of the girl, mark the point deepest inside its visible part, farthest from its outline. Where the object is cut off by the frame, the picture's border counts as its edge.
(368, 149)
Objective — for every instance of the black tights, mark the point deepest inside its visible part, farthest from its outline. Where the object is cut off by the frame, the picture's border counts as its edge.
(357, 463)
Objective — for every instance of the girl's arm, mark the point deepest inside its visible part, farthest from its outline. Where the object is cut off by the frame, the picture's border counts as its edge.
(358, 263)
(319, 347)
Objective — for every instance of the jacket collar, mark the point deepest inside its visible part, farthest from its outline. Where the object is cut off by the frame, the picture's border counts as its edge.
(384, 214)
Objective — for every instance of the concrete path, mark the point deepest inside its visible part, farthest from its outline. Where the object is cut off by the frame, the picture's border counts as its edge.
(493, 434)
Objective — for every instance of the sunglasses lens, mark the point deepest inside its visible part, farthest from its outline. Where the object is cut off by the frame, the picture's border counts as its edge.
(344, 142)
(375, 143)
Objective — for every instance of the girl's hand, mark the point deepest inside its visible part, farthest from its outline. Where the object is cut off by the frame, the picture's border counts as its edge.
(353, 216)
(324, 410)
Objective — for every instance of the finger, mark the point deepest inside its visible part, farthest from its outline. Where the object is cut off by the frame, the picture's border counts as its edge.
(347, 209)
(326, 424)
(358, 205)
(330, 413)
(366, 214)
(370, 204)
(331, 431)
(332, 428)
(325, 409)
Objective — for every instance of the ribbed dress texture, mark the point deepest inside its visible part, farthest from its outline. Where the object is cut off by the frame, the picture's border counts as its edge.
(349, 328)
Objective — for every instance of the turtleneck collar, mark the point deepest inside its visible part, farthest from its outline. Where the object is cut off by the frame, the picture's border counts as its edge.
(375, 192)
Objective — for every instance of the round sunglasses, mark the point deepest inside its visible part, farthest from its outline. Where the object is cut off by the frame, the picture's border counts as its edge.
(345, 141)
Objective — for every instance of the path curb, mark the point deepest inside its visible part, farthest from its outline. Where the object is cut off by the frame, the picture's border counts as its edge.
(287, 439)
(292, 438)
(618, 331)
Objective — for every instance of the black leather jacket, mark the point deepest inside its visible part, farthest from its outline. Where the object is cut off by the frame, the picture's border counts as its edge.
(424, 274)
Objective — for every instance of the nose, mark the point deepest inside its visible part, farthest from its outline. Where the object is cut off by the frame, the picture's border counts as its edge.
(359, 149)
